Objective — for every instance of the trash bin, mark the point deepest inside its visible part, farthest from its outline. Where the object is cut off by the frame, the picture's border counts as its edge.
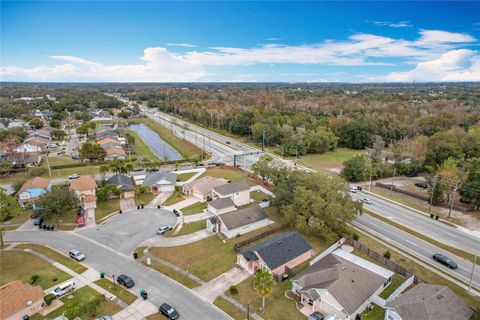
(138, 207)
(144, 294)
(158, 207)
(120, 211)
(135, 255)
(102, 275)
(142, 206)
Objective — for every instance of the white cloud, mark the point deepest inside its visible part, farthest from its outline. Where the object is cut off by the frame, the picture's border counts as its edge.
(272, 39)
(400, 24)
(74, 60)
(455, 65)
(186, 45)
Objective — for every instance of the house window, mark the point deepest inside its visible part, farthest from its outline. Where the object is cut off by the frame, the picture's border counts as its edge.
(387, 282)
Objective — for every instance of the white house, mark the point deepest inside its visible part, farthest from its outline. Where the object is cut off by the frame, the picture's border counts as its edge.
(239, 192)
(221, 205)
(160, 181)
(27, 148)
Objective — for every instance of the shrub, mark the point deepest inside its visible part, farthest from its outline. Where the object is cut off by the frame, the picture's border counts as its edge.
(49, 299)
(233, 290)
(34, 278)
(356, 237)
(387, 254)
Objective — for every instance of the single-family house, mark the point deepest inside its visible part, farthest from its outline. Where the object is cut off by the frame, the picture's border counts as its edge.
(340, 284)
(427, 302)
(106, 140)
(27, 148)
(202, 188)
(277, 254)
(160, 181)
(18, 299)
(138, 177)
(124, 183)
(239, 192)
(40, 142)
(17, 124)
(106, 133)
(238, 222)
(115, 153)
(221, 205)
(32, 190)
(24, 159)
(83, 185)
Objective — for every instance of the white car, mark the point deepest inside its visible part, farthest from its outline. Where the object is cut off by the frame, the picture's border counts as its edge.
(367, 201)
(74, 176)
(353, 189)
(76, 255)
(64, 288)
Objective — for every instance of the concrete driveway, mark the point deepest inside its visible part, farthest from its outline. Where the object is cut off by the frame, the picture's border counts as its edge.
(124, 232)
(161, 241)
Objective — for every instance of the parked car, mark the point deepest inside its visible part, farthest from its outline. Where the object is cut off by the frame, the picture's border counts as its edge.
(367, 201)
(76, 255)
(163, 229)
(316, 316)
(80, 222)
(63, 289)
(52, 146)
(74, 176)
(446, 261)
(38, 221)
(422, 185)
(227, 142)
(169, 311)
(125, 280)
(104, 318)
(353, 189)
(75, 157)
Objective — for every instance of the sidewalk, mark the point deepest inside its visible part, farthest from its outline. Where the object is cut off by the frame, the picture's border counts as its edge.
(216, 287)
(161, 241)
(158, 200)
(182, 204)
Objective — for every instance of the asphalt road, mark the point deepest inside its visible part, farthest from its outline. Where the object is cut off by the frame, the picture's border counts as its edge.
(422, 249)
(160, 288)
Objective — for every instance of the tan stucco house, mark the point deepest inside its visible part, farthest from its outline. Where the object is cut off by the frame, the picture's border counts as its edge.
(239, 192)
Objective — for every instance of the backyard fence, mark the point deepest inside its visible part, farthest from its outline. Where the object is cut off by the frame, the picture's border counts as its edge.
(259, 236)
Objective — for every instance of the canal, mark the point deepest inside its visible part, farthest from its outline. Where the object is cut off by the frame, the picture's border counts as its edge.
(159, 147)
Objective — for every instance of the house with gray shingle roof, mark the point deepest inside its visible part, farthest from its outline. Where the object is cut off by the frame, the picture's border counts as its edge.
(160, 181)
(124, 183)
(428, 302)
(221, 205)
(239, 192)
(286, 250)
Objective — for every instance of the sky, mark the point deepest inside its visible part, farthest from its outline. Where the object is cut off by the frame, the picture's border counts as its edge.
(153, 41)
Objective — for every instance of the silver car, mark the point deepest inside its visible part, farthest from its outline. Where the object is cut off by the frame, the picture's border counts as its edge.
(367, 201)
(76, 255)
(163, 229)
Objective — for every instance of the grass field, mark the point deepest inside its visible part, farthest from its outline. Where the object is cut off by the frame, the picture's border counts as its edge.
(185, 148)
(116, 289)
(234, 175)
(144, 198)
(377, 313)
(104, 208)
(194, 208)
(397, 281)
(174, 198)
(16, 265)
(63, 259)
(191, 228)
(56, 161)
(177, 276)
(141, 148)
(185, 176)
(229, 309)
(258, 196)
(328, 160)
(56, 173)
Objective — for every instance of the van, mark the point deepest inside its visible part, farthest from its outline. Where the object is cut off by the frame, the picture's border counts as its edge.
(63, 289)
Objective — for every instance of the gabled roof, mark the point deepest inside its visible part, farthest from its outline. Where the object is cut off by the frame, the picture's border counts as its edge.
(430, 302)
(239, 218)
(37, 182)
(279, 250)
(205, 184)
(106, 133)
(230, 188)
(108, 139)
(89, 198)
(113, 150)
(221, 203)
(123, 182)
(155, 177)
(349, 283)
(83, 183)
(15, 295)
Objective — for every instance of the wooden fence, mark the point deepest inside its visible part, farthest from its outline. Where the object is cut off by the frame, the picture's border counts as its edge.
(259, 236)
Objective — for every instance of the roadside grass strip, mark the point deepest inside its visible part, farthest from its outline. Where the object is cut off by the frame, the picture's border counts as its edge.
(117, 290)
(229, 308)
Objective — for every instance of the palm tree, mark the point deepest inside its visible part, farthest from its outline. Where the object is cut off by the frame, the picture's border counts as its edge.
(103, 170)
(264, 284)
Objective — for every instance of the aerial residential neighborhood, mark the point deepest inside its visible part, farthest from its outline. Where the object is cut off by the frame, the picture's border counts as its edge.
(239, 160)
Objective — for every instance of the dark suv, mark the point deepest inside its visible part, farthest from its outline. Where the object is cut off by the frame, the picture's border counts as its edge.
(125, 280)
(169, 311)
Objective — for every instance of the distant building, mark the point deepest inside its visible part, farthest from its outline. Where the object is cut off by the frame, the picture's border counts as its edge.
(115, 153)
(202, 188)
(124, 183)
(31, 191)
(18, 299)
(160, 181)
(221, 205)
(239, 192)
(24, 159)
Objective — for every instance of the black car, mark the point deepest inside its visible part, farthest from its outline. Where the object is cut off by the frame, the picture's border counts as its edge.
(316, 316)
(169, 311)
(422, 185)
(446, 261)
(125, 280)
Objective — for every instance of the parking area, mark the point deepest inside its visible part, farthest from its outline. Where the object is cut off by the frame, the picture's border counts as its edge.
(124, 232)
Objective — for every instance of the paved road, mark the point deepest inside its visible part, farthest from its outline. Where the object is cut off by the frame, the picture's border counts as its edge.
(421, 248)
(159, 287)
(425, 225)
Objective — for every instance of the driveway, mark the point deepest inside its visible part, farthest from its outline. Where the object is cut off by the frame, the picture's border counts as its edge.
(160, 288)
(127, 204)
(161, 241)
(216, 287)
(158, 200)
(124, 232)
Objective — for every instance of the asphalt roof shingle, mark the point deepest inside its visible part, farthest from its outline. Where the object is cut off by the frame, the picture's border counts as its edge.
(153, 177)
(239, 218)
(221, 203)
(123, 182)
(230, 188)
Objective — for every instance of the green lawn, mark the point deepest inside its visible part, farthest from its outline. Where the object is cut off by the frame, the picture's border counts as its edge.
(141, 148)
(63, 259)
(185, 176)
(277, 306)
(185, 148)
(377, 313)
(234, 175)
(191, 228)
(62, 173)
(328, 160)
(60, 160)
(177, 276)
(81, 298)
(258, 196)
(144, 198)
(16, 265)
(116, 289)
(104, 208)
(397, 281)
(174, 198)
(194, 208)
(229, 309)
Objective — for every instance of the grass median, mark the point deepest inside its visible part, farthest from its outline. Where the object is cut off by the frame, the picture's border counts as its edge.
(191, 228)
(175, 275)
(194, 208)
(115, 289)
(229, 308)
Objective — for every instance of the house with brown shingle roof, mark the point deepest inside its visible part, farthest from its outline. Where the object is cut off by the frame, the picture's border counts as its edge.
(32, 190)
(202, 188)
(85, 189)
(18, 299)
(114, 153)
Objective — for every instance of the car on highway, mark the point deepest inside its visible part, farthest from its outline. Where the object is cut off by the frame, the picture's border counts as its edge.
(316, 316)
(227, 142)
(163, 229)
(353, 189)
(367, 201)
(126, 281)
(446, 261)
(169, 311)
(64, 288)
(73, 176)
(76, 255)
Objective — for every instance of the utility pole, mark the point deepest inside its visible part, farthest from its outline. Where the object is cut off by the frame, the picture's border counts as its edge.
(431, 196)
(248, 311)
(391, 187)
(471, 274)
